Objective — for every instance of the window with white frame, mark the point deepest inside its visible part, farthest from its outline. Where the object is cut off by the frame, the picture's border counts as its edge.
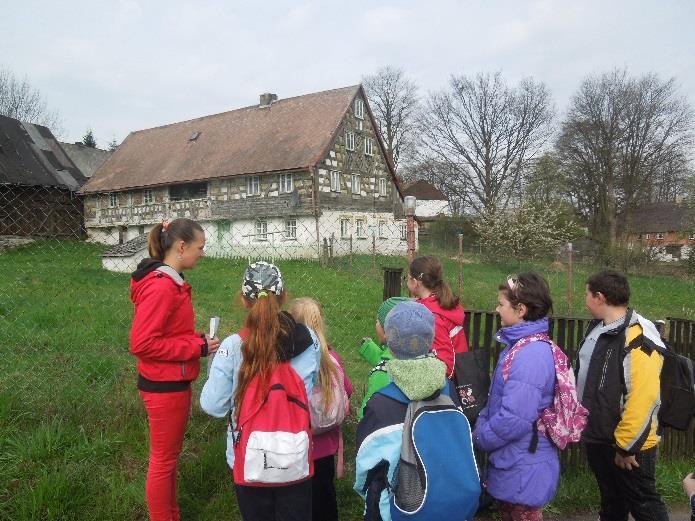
(360, 125)
(261, 230)
(404, 232)
(647, 235)
(382, 187)
(350, 140)
(361, 229)
(356, 186)
(382, 229)
(344, 228)
(335, 181)
(286, 183)
(359, 109)
(368, 146)
(691, 237)
(253, 185)
(659, 236)
(291, 229)
(113, 200)
(147, 197)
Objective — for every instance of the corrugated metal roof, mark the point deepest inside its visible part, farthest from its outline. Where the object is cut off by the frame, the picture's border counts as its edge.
(290, 134)
(129, 248)
(31, 156)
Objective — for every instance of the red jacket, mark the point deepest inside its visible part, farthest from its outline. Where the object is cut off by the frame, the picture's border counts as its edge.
(163, 336)
(449, 336)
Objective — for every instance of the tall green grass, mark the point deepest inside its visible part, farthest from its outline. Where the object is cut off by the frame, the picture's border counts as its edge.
(73, 432)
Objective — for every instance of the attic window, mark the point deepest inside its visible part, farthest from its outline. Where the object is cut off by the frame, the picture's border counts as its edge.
(194, 136)
(359, 109)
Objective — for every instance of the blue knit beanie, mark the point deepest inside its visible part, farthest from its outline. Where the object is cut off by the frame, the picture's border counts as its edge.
(409, 330)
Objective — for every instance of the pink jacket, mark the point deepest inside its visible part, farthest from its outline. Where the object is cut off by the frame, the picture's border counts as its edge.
(449, 335)
(326, 444)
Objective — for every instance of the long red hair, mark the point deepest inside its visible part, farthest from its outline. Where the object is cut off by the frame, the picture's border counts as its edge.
(259, 350)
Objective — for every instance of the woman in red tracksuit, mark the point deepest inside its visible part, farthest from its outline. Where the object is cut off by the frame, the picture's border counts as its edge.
(168, 350)
(426, 283)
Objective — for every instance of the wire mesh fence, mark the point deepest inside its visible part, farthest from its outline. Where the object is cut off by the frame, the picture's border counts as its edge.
(73, 433)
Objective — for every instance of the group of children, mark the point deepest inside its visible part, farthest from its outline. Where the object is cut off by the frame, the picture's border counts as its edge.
(284, 392)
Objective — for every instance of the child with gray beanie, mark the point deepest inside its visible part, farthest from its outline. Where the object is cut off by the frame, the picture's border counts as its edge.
(418, 375)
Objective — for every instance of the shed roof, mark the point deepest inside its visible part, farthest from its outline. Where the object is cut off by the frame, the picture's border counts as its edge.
(31, 156)
(87, 159)
(290, 134)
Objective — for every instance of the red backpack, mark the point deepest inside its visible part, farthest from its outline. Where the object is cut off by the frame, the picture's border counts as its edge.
(272, 443)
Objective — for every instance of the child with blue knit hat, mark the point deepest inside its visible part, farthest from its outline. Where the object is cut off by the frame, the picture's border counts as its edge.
(419, 375)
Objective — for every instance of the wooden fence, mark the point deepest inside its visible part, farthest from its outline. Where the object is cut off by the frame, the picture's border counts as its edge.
(568, 332)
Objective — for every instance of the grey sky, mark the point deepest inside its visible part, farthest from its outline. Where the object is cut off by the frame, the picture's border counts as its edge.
(123, 65)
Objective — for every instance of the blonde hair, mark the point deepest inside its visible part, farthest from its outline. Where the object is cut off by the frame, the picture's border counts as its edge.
(308, 312)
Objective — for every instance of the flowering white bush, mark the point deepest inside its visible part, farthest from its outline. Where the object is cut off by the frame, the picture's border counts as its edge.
(527, 232)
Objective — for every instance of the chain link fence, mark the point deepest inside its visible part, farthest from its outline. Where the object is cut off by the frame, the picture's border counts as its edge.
(73, 432)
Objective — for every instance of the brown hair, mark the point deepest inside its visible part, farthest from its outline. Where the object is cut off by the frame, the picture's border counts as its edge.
(613, 285)
(530, 289)
(259, 350)
(162, 238)
(308, 312)
(429, 271)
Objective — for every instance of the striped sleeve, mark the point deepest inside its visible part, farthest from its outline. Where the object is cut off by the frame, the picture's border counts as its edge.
(636, 430)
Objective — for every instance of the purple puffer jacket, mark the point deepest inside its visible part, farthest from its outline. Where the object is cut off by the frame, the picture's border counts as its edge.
(504, 427)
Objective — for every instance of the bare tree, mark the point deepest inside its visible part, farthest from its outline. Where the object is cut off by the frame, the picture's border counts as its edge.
(394, 100)
(19, 100)
(485, 132)
(624, 140)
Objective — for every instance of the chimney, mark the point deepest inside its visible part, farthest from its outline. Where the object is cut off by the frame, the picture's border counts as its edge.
(267, 99)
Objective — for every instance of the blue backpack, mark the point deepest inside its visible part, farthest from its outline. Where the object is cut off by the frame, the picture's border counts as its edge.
(437, 476)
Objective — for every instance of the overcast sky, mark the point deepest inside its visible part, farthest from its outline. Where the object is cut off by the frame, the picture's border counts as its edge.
(122, 65)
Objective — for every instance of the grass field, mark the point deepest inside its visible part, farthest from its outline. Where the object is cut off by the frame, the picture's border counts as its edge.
(73, 434)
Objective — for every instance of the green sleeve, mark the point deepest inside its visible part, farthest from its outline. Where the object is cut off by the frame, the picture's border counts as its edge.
(378, 379)
(373, 353)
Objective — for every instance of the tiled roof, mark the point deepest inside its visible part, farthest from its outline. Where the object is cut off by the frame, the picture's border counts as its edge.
(658, 218)
(31, 156)
(425, 191)
(289, 134)
(129, 248)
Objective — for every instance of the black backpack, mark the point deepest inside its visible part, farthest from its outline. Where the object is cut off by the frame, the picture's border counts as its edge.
(677, 385)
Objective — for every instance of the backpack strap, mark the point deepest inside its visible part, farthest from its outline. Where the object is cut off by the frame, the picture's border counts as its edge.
(392, 391)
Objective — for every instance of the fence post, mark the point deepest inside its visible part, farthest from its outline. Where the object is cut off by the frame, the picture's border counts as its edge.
(570, 279)
(350, 253)
(460, 259)
(392, 282)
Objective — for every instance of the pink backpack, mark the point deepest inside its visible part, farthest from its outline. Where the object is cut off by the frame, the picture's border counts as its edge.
(564, 421)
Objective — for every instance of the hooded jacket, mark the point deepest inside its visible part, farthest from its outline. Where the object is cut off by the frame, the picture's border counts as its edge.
(505, 426)
(163, 336)
(300, 347)
(380, 432)
(449, 335)
(622, 385)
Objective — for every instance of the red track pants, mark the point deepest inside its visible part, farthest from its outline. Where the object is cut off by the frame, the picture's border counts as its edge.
(167, 414)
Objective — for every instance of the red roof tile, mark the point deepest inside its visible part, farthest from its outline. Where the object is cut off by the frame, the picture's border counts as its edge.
(290, 134)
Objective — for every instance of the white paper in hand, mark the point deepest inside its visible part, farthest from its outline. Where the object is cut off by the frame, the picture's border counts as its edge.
(214, 325)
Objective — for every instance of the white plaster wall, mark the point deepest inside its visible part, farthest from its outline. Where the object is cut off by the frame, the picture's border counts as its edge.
(426, 208)
(389, 242)
(107, 236)
(123, 264)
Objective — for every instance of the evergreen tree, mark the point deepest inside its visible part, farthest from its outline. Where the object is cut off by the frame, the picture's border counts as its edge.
(88, 139)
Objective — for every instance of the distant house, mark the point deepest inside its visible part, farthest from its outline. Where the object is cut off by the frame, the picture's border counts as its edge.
(38, 183)
(87, 159)
(664, 227)
(289, 177)
(430, 203)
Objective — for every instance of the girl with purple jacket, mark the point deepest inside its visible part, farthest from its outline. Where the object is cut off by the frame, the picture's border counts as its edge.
(523, 466)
